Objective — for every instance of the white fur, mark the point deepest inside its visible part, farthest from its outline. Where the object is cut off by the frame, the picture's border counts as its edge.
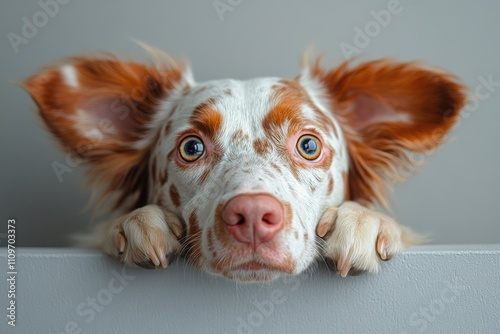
(241, 171)
(70, 75)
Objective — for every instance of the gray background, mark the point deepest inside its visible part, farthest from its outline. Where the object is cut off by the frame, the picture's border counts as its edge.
(454, 197)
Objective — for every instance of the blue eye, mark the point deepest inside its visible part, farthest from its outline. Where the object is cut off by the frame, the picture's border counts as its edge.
(191, 149)
(309, 147)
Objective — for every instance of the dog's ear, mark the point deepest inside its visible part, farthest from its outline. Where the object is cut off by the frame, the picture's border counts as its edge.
(387, 111)
(106, 112)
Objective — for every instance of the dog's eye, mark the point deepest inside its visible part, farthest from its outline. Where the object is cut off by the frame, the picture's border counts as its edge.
(309, 147)
(191, 148)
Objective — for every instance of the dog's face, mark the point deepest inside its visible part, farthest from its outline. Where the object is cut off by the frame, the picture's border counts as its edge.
(249, 166)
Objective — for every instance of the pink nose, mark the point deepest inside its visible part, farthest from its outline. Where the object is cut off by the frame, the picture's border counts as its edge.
(253, 219)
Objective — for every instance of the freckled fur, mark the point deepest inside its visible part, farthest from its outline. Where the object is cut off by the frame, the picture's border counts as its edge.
(125, 120)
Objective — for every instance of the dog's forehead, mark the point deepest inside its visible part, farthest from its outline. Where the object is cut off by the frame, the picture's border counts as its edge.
(242, 104)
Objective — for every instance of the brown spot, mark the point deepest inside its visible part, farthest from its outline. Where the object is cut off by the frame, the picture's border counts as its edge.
(288, 265)
(239, 135)
(330, 184)
(306, 236)
(174, 196)
(276, 167)
(220, 231)
(194, 239)
(228, 92)
(207, 119)
(262, 146)
(205, 174)
(296, 234)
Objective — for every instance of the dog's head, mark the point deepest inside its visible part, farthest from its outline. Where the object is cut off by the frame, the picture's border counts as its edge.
(249, 166)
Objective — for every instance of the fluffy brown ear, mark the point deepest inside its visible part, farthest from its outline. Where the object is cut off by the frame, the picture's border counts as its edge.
(388, 110)
(104, 110)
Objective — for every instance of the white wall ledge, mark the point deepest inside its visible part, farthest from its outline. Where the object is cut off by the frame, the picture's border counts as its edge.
(429, 289)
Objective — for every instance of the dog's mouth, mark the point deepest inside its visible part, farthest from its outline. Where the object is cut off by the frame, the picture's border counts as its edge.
(256, 269)
(253, 266)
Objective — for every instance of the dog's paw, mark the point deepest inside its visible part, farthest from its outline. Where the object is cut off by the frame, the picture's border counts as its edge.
(357, 239)
(147, 237)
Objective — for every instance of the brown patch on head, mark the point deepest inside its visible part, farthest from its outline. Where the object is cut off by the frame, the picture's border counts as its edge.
(289, 97)
(288, 102)
(262, 146)
(207, 119)
(174, 196)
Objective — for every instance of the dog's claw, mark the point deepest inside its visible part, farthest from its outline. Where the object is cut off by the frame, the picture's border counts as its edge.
(382, 248)
(344, 269)
(121, 242)
(154, 258)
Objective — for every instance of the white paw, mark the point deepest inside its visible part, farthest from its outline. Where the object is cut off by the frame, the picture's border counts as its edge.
(357, 239)
(146, 237)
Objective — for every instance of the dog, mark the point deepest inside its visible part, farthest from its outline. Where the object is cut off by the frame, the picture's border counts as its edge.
(250, 180)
